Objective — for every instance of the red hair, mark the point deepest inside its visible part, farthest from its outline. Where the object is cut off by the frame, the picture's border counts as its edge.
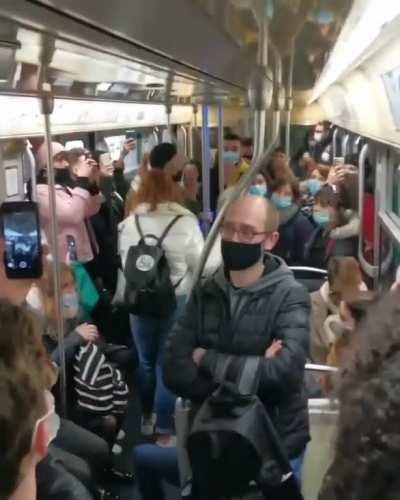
(156, 187)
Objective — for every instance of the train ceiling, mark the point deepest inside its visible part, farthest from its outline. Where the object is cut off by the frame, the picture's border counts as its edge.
(172, 51)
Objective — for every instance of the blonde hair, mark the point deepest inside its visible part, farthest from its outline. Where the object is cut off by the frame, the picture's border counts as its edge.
(47, 291)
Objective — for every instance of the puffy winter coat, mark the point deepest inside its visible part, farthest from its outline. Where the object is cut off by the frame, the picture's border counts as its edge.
(243, 322)
(74, 206)
(182, 246)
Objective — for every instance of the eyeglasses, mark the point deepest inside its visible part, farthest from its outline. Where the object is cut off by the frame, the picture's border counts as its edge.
(245, 234)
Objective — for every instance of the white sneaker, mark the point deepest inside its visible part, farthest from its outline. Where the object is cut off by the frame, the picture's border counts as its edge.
(148, 424)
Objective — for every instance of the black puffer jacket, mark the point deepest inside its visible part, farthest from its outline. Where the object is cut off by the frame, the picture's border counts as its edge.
(244, 322)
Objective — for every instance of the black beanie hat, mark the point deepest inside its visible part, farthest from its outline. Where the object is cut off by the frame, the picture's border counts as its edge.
(161, 154)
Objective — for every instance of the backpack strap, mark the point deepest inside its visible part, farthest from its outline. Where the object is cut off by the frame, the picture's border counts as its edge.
(164, 234)
(168, 229)
(138, 227)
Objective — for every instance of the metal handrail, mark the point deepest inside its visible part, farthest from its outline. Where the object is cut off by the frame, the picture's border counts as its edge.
(369, 269)
(289, 100)
(315, 270)
(321, 368)
(221, 171)
(185, 138)
(334, 139)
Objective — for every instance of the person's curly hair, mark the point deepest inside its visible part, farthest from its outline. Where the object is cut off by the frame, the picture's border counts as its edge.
(367, 454)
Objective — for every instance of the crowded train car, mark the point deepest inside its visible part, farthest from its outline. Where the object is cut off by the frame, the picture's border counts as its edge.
(200, 249)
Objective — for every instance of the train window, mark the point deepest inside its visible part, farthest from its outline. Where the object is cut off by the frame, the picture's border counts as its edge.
(74, 144)
(12, 187)
(392, 187)
(391, 81)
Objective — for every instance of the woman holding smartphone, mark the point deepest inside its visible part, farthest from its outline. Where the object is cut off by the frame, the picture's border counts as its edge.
(77, 199)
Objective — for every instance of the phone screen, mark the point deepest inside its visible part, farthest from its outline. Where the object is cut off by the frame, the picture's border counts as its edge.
(338, 160)
(131, 135)
(21, 232)
(105, 159)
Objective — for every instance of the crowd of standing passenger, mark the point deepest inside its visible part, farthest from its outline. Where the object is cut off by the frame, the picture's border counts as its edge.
(120, 342)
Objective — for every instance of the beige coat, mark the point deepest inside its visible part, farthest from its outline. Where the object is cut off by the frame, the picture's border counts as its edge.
(321, 308)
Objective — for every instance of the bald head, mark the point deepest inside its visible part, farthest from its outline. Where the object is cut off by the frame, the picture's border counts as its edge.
(255, 211)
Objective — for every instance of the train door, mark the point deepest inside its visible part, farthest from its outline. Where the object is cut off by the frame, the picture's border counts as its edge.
(388, 242)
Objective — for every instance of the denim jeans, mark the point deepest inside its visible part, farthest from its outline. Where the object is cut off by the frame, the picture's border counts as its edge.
(154, 465)
(150, 335)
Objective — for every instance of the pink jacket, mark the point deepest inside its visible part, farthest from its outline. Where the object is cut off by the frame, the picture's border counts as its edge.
(71, 214)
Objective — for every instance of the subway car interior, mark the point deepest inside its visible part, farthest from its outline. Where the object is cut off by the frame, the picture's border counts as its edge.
(313, 85)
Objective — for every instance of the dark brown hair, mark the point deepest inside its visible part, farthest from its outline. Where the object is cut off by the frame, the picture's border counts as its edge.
(286, 181)
(344, 277)
(367, 452)
(24, 373)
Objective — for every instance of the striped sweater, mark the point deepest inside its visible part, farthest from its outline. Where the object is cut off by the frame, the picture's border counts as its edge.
(99, 386)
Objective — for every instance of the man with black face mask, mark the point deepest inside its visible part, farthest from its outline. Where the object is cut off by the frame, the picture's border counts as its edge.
(252, 306)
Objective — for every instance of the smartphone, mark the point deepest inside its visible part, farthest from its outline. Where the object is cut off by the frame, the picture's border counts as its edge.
(131, 135)
(72, 252)
(105, 159)
(338, 160)
(21, 232)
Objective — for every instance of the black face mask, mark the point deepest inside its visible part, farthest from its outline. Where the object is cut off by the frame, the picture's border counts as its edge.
(63, 176)
(238, 256)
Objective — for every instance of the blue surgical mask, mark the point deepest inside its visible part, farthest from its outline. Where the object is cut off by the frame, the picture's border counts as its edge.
(281, 202)
(70, 304)
(321, 219)
(314, 185)
(258, 190)
(231, 156)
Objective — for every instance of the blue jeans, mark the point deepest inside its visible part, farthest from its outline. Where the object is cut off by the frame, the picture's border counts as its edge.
(149, 335)
(154, 464)
(297, 467)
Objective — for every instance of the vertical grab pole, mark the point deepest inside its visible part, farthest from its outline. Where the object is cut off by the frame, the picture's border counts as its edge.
(205, 160)
(33, 170)
(289, 101)
(334, 143)
(276, 110)
(47, 109)
(259, 106)
(221, 171)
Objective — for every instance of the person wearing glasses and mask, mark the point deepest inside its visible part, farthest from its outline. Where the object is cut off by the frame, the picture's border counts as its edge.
(252, 306)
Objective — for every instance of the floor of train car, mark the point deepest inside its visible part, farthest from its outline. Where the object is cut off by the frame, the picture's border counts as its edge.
(129, 490)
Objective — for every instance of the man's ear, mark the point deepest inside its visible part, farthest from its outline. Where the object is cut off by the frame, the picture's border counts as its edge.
(41, 440)
(271, 241)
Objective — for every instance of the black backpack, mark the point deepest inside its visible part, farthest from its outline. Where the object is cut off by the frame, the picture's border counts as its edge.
(149, 290)
(233, 447)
